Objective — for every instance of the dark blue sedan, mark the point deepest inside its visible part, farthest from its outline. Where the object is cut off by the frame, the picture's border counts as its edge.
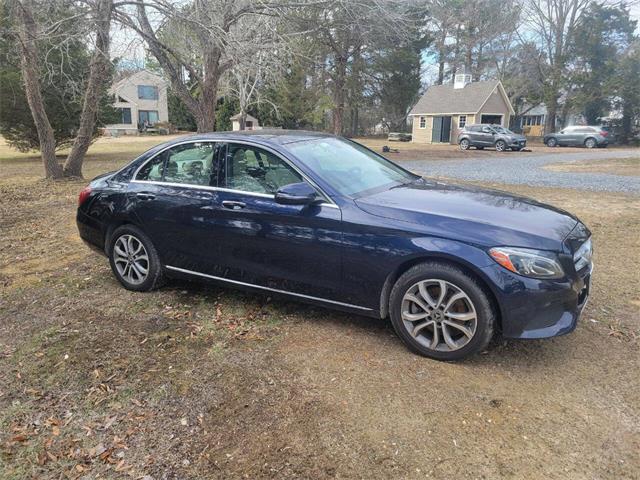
(325, 220)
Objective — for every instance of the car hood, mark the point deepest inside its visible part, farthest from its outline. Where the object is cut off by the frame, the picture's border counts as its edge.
(473, 215)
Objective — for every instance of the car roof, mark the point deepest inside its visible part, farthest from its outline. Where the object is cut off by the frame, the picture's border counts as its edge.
(265, 136)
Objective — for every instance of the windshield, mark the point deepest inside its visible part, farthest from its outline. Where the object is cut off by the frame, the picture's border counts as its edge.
(348, 167)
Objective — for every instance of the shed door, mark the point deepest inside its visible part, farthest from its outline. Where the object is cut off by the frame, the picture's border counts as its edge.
(441, 132)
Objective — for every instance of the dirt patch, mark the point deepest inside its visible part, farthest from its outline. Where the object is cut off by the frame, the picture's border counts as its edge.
(614, 166)
(194, 381)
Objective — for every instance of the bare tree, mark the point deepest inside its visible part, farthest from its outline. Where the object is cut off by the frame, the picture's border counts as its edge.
(347, 30)
(96, 16)
(554, 23)
(196, 44)
(27, 37)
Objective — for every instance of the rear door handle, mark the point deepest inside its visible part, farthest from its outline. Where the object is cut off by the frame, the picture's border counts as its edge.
(145, 196)
(233, 205)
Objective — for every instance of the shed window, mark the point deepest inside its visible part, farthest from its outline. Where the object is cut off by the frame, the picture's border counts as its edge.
(462, 121)
(423, 122)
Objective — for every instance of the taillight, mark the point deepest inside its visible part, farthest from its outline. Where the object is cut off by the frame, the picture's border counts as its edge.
(84, 194)
(604, 133)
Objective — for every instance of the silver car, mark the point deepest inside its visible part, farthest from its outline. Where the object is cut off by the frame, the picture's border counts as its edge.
(578, 136)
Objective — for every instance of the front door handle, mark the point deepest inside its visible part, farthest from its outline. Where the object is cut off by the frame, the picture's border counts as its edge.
(233, 205)
(145, 196)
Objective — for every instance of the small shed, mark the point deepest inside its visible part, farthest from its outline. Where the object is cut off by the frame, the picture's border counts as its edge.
(250, 123)
(445, 109)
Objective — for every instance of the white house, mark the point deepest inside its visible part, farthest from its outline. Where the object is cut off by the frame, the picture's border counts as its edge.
(141, 98)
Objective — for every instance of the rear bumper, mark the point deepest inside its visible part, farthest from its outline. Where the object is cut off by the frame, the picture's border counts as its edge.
(90, 231)
(538, 308)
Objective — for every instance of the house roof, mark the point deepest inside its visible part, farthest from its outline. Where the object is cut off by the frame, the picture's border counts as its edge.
(248, 117)
(444, 99)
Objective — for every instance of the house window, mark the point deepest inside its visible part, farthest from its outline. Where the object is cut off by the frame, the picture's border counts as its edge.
(462, 121)
(148, 117)
(147, 92)
(125, 116)
(423, 122)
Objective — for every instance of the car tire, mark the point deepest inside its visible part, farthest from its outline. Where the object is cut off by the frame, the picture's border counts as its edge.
(501, 146)
(134, 260)
(552, 142)
(428, 329)
(464, 144)
(590, 143)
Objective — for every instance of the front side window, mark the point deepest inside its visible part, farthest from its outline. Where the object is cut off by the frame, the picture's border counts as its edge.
(348, 167)
(462, 121)
(255, 170)
(423, 122)
(147, 92)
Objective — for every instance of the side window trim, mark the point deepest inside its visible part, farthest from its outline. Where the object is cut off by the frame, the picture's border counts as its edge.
(224, 144)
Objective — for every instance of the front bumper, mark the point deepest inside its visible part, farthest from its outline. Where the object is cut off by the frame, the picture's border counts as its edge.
(533, 308)
(518, 143)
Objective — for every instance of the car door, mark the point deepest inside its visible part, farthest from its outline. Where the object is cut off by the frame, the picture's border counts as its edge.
(174, 199)
(292, 248)
(567, 136)
(485, 136)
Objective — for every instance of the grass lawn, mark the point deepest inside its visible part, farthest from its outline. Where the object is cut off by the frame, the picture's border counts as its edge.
(198, 381)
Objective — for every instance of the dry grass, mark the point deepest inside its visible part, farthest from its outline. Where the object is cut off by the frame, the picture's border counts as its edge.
(196, 381)
(615, 166)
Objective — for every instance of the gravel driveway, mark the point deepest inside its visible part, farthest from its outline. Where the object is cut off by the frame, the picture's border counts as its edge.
(513, 168)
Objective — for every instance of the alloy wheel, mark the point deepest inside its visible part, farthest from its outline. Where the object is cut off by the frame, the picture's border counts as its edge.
(500, 146)
(464, 144)
(131, 259)
(439, 315)
(551, 142)
(590, 143)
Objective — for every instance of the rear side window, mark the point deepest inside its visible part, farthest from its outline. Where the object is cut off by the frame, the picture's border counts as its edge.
(153, 170)
(189, 164)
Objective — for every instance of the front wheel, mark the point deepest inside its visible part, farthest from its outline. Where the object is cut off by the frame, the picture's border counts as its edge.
(441, 312)
(501, 146)
(464, 144)
(552, 142)
(134, 260)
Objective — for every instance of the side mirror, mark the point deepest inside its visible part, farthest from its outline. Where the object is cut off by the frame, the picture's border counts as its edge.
(296, 194)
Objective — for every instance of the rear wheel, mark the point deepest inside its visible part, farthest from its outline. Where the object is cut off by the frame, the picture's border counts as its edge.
(134, 260)
(441, 312)
(464, 144)
(552, 142)
(501, 146)
(590, 143)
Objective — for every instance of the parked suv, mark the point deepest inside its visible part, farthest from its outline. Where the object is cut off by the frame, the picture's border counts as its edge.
(578, 136)
(484, 135)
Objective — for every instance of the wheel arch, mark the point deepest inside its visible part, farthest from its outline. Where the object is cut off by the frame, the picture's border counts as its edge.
(112, 228)
(445, 259)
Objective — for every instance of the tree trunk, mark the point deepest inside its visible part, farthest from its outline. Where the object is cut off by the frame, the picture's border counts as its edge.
(30, 75)
(339, 83)
(99, 76)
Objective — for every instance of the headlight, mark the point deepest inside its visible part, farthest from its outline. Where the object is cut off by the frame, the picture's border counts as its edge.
(530, 263)
(583, 255)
